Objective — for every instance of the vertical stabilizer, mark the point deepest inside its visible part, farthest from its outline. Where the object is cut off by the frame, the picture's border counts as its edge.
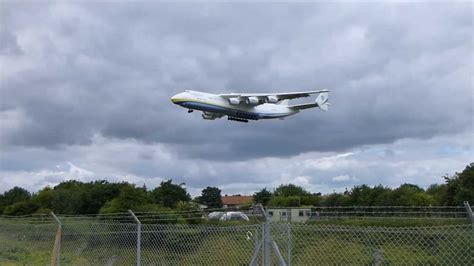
(322, 101)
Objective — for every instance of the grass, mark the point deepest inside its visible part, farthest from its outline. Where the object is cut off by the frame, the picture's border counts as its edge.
(346, 243)
(26, 244)
(29, 252)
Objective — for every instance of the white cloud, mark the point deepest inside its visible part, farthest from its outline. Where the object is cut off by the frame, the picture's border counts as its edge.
(421, 162)
(329, 162)
(341, 178)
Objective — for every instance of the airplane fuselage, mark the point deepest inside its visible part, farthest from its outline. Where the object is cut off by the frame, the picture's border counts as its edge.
(214, 106)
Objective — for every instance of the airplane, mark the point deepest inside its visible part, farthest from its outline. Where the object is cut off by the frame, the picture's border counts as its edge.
(242, 107)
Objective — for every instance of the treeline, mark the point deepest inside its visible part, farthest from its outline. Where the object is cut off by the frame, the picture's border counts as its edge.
(75, 197)
(456, 189)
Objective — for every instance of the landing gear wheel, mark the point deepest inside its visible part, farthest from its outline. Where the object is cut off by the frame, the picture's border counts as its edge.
(190, 110)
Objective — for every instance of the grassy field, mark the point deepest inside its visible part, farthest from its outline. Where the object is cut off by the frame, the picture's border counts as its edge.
(343, 244)
(26, 243)
(342, 241)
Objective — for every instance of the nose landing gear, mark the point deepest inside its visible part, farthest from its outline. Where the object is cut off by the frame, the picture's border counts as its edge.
(190, 110)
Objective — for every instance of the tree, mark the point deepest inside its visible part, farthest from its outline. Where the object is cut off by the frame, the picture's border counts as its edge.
(336, 199)
(293, 196)
(290, 201)
(21, 208)
(365, 195)
(439, 193)
(75, 197)
(411, 195)
(130, 197)
(461, 187)
(14, 195)
(44, 198)
(97, 193)
(211, 196)
(361, 196)
(169, 194)
(312, 200)
(290, 190)
(263, 196)
(69, 197)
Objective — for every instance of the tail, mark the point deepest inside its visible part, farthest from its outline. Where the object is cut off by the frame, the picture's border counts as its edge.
(321, 102)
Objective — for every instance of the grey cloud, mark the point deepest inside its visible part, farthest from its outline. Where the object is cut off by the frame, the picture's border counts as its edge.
(8, 44)
(395, 71)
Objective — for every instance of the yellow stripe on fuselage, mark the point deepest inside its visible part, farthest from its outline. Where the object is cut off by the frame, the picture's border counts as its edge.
(180, 100)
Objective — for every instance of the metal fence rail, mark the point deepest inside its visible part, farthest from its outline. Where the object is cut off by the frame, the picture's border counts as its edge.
(403, 212)
(124, 239)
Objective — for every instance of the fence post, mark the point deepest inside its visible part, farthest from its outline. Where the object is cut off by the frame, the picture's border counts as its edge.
(266, 234)
(468, 209)
(139, 240)
(469, 212)
(289, 243)
(266, 244)
(256, 251)
(56, 256)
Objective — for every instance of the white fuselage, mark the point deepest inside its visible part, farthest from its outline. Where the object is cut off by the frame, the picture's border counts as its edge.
(216, 106)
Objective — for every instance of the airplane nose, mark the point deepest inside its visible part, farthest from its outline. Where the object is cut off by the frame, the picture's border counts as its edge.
(174, 99)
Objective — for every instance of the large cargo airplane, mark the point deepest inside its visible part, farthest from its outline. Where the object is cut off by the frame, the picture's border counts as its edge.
(242, 107)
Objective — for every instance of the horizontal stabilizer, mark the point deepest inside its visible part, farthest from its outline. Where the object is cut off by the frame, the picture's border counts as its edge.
(303, 106)
(324, 106)
(321, 102)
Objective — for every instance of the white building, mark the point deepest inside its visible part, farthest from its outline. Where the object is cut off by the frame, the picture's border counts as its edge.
(293, 214)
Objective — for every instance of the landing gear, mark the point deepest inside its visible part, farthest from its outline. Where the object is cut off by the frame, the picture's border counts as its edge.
(237, 119)
(190, 111)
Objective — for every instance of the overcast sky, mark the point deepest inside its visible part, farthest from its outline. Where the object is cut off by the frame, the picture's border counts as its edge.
(85, 92)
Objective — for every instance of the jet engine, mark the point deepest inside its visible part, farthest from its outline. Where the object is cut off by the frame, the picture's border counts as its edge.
(234, 101)
(272, 99)
(252, 100)
(210, 116)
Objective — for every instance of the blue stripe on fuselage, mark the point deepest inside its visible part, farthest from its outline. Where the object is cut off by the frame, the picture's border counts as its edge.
(226, 111)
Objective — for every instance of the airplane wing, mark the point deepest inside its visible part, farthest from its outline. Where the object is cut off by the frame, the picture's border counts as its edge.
(259, 98)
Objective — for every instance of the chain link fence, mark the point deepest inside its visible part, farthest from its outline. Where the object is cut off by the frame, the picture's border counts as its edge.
(27, 241)
(344, 245)
(128, 239)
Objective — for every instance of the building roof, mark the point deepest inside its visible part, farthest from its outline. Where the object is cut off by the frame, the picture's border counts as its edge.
(237, 200)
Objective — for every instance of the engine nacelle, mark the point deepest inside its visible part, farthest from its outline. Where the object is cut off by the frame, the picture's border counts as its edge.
(234, 101)
(252, 100)
(210, 116)
(272, 99)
